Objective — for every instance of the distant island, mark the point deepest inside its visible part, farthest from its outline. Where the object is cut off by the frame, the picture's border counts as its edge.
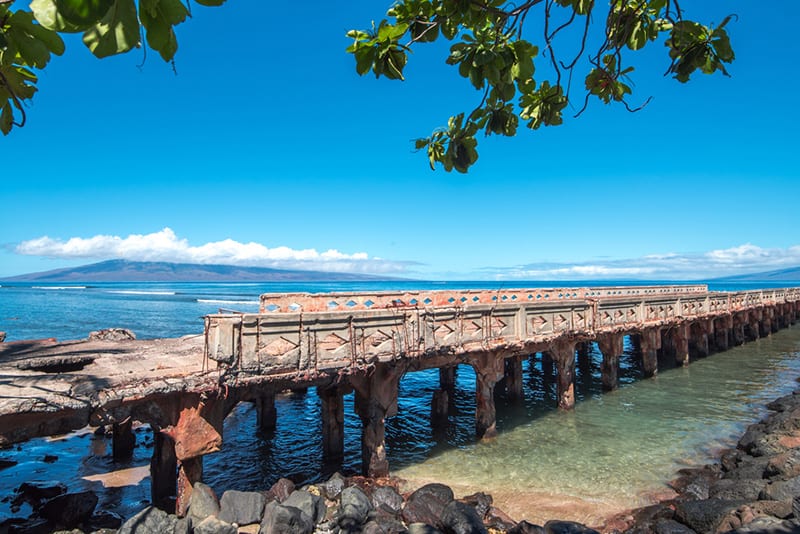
(791, 274)
(158, 271)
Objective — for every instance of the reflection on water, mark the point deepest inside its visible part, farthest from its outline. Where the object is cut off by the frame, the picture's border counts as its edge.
(612, 452)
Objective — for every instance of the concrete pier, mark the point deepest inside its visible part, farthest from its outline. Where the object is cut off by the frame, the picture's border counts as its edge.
(183, 388)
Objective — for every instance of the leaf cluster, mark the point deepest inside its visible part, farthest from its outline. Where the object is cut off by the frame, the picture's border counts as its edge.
(490, 49)
(28, 38)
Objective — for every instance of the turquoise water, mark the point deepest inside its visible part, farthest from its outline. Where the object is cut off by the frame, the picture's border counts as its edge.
(614, 451)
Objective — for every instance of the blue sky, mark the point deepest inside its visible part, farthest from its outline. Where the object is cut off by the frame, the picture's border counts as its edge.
(268, 149)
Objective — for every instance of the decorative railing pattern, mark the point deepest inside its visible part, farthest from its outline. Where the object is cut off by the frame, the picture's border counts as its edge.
(340, 336)
(323, 302)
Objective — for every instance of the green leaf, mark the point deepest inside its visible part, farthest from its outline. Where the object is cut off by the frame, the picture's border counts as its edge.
(210, 3)
(83, 12)
(158, 18)
(116, 33)
(46, 12)
(6, 118)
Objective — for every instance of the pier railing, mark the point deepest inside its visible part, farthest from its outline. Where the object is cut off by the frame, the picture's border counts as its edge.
(307, 332)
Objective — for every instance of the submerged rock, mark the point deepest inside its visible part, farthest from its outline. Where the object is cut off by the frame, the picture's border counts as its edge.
(70, 509)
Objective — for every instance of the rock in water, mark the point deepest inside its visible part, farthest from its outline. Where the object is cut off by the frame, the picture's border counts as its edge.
(35, 492)
(203, 503)
(112, 334)
(354, 509)
(524, 527)
(151, 520)
(279, 519)
(385, 526)
(2, 336)
(422, 528)
(427, 504)
(670, 526)
(242, 507)
(461, 518)
(70, 509)
(212, 525)
(312, 506)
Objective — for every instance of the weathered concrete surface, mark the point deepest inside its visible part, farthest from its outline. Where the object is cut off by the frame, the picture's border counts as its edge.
(49, 388)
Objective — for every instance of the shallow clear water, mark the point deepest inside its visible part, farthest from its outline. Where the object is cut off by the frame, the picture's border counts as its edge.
(612, 452)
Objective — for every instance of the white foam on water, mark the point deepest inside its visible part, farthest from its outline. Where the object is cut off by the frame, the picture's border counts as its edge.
(58, 287)
(138, 292)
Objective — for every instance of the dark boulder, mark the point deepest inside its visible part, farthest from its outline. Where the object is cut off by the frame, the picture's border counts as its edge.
(670, 526)
(768, 525)
(104, 519)
(422, 528)
(311, 505)
(748, 440)
(784, 465)
(743, 489)
(279, 519)
(461, 518)
(151, 520)
(212, 525)
(332, 488)
(280, 490)
(480, 501)
(427, 504)
(749, 467)
(203, 503)
(5, 464)
(354, 508)
(34, 493)
(781, 490)
(242, 507)
(524, 527)
(705, 515)
(386, 526)
(387, 501)
(785, 403)
(498, 520)
(70, 509)
(567, 527)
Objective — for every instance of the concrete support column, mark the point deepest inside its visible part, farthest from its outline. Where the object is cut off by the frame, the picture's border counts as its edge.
(190, 471)
(547, 367)
(376, 399)
(680, 339)
(267, 416)
(738, 332)
(198, 432)
(765, 324)
(163, 469)
(698, 340)
(773, 319)
(650, 342)
(489, 367)
(513, 375)
(440, 407)
(611, 345)
(122, 440)
(722, 332)
(562, 352)
(332, 423)
(447, 378)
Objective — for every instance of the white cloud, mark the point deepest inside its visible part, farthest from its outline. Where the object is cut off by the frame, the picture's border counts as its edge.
(743, 259)
(166, 246)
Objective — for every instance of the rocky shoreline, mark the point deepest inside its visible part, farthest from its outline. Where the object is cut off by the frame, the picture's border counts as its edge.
(754, 488)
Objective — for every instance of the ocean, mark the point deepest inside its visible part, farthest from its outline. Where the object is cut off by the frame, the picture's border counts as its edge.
(614, 451)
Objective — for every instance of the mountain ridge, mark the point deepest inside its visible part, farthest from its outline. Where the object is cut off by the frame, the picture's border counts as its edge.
(791, 274)
(150, 271)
